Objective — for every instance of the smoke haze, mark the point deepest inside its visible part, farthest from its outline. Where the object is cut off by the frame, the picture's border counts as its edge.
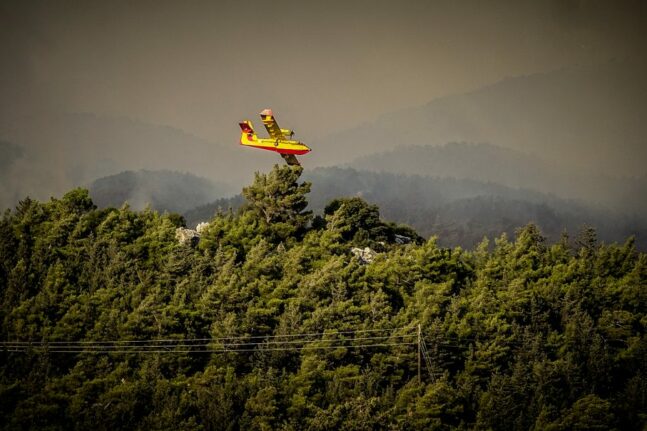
(95, 88)
(201, 66)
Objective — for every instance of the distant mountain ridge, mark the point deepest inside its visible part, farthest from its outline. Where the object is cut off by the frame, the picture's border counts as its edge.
(162, 190)
(62, 151)
(589, 117)
(459, 211)
(462, 211)
(491, 163)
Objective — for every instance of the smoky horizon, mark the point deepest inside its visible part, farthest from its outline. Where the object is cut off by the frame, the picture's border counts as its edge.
(203, 66)
(538, 97)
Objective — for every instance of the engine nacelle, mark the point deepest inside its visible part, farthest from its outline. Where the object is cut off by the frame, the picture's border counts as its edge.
(288, 133)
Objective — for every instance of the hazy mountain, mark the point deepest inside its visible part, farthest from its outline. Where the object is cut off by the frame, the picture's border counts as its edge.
(462, 211)
(459, 211)
(68, 150)
(590, 117)
(162, 190)
(10, 155)
(490, 163)
(206, 211)
(582, 122)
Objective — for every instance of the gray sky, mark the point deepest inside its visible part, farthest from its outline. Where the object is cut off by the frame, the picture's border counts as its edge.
(322, 66)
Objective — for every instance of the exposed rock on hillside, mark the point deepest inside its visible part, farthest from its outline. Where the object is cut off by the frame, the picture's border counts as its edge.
(365, 255)
(187, 236)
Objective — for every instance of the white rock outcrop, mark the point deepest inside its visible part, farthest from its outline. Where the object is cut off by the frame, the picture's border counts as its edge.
(365, 255)
(201, 227)
(187, 236)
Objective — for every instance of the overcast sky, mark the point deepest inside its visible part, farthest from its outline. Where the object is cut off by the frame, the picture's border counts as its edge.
(325, 65)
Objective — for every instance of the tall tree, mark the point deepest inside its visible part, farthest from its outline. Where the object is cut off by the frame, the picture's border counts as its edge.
(280, 201)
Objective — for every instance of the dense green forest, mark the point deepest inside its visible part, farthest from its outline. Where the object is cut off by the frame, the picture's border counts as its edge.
(272, 322)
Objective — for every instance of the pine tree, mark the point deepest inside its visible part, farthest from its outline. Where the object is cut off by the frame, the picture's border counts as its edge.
(280, 201)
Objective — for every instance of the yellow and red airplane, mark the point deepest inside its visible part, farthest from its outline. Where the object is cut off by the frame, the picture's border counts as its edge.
(280, 140)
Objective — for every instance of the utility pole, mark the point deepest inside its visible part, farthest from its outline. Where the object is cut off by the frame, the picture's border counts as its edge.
(419, 352)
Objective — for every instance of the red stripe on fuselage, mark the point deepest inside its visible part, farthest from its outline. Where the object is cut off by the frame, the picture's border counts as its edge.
(278, 150)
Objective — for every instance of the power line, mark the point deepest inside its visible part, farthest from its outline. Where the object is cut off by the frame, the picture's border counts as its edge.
(247, 343)
(196, 344)
(294, 348)
(238, 337)
(87, 345)
(182, 344)
(285, 342)
(23, 346)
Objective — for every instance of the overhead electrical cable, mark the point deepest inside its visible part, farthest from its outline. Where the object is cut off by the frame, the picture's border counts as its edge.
(196, 344)
(233, 337)
(224, 350)
(253, 343)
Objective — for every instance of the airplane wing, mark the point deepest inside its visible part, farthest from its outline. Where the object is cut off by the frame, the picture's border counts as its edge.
(291, 159)
(270, 124)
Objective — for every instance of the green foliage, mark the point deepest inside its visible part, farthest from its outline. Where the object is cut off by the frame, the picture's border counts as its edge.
(280, 202)
(521, 335)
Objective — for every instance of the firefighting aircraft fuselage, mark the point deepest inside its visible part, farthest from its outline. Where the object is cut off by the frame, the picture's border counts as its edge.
(280, 140)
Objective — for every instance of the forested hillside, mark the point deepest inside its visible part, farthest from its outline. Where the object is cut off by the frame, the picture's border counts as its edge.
(460, 211)
(271, 322)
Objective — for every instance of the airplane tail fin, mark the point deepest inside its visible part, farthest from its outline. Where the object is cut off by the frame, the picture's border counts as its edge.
(248, 136)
